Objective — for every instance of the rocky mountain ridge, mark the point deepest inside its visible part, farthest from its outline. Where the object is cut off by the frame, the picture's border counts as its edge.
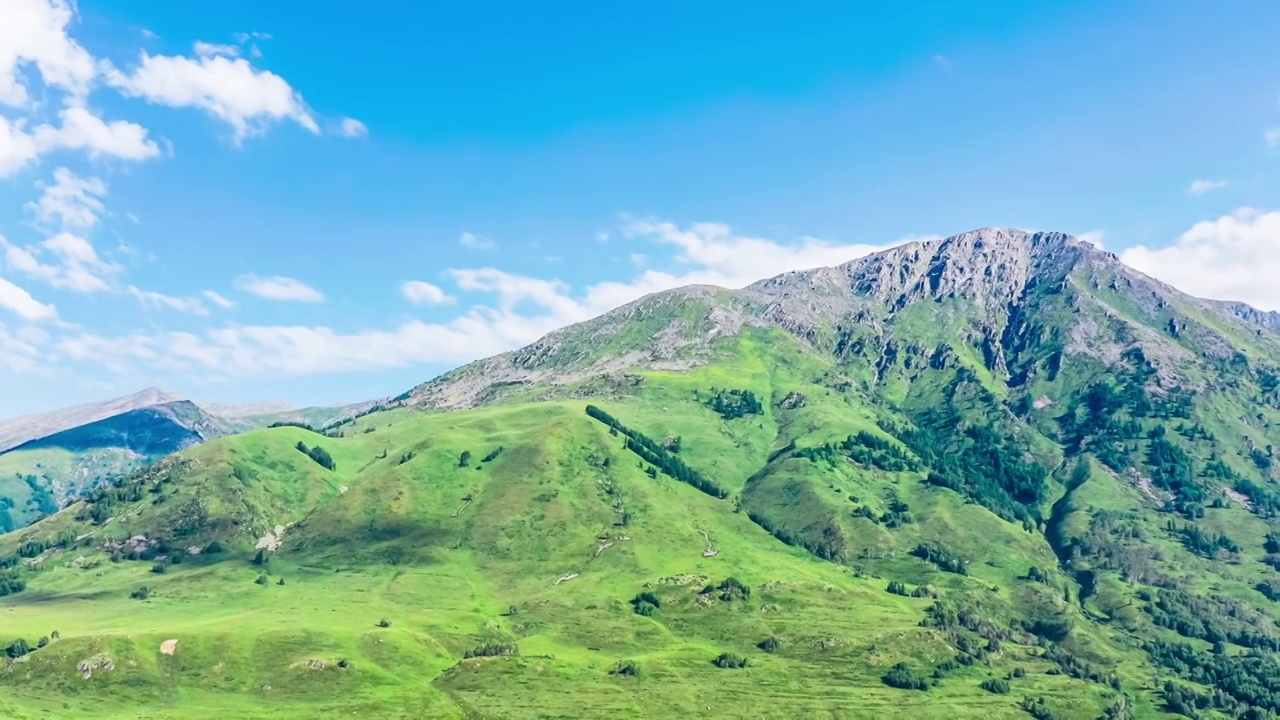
(1002, 291)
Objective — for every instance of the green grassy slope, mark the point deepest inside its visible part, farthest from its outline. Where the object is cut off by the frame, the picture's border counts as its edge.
(378, 539)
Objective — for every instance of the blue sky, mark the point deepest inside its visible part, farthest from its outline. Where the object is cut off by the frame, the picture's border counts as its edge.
(246, 200)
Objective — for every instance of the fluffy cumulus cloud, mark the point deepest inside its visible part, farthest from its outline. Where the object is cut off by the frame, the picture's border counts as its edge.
(417, 291)
(520, 309)
(1235, 257)
(34, 33)
(278, 288)
(79, 129)
(227, 87)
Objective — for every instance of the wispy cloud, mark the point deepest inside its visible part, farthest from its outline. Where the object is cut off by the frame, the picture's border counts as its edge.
(417, 291)
(277, 287)
(1200, 187)
(352, 128)
(472, 241)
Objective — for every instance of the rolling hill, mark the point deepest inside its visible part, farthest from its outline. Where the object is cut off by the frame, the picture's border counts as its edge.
(995, 475)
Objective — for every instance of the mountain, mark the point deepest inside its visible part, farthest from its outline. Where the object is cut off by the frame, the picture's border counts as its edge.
(72, 451)
(15, 431)
(994, 475)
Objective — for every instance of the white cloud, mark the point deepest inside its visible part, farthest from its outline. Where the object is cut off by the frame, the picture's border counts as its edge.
(639, 259)
(1093, 237)
(524, 308)
(718, 257)
(231, 89)
(1236, 257)
(19, 301)
(1200, 187)
(1273, 137)
(278, 288)
(71, 200)
(74, 265)
(352, 128)
(150, 299)
(942, 62)
(471, 241)
(80, 130)
(245, 37)
(218, 300)
(417, 291)
(204, 49)
(17, 147)
(20, 352)
(34, 32)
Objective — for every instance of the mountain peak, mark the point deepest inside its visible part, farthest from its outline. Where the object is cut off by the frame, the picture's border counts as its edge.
(993, 266)
(150, 396)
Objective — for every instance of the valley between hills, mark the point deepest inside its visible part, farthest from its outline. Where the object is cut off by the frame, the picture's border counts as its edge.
(997, 475)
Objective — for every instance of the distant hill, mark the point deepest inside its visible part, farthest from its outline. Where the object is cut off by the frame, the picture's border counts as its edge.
(51, 458)
(15, 431)
(997, 475)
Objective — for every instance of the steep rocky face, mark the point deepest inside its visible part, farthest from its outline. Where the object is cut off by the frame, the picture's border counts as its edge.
(1268, 319)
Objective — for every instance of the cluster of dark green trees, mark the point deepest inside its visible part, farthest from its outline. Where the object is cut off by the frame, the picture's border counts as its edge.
(41, 498)
(318, 454)
(1202, 543)
(290, 423)
(728, 590)
(493, 650)
(645, 603)
(11, 584)
(730, 661)
(1212, 619)
(733, 404)
(940, 557)
(865, 449)
(897, 515)
(656, 455)
(101, 504)
(1244, 686)
(901, 676)
(985, 465)
(6, 516)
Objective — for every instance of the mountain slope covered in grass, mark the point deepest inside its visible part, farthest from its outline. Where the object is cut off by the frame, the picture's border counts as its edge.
(997, 475)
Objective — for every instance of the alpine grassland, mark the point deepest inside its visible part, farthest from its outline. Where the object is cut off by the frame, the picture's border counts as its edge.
(905, 486)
